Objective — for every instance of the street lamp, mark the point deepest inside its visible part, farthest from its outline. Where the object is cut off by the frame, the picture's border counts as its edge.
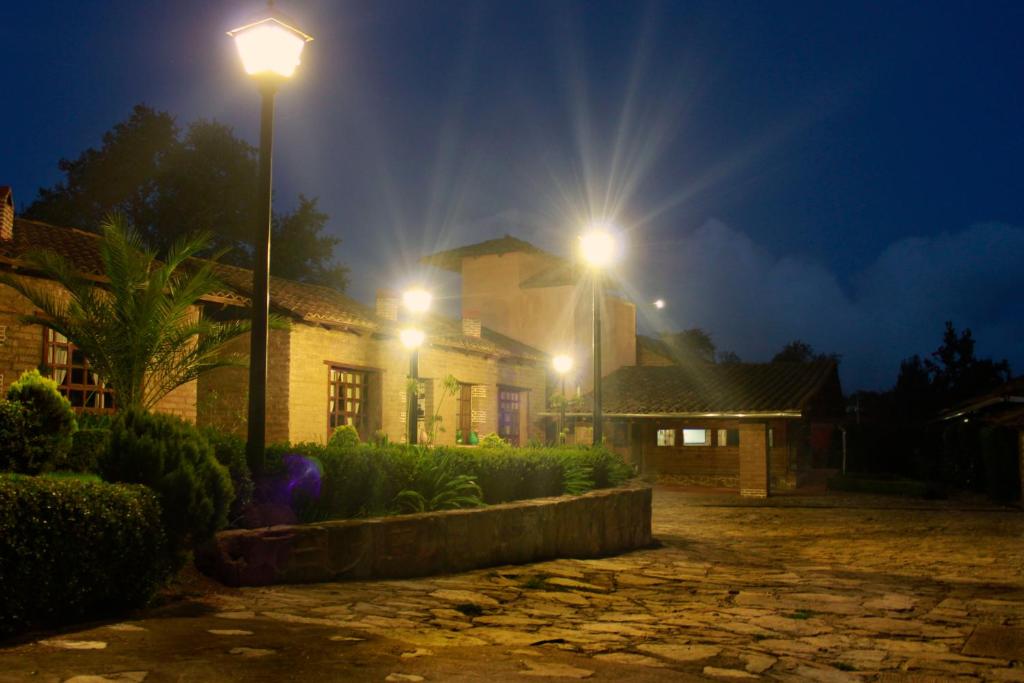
(417, 300)
(599, 249)
(270, 49)
(659, 304)
(412, 339)
(563, 364)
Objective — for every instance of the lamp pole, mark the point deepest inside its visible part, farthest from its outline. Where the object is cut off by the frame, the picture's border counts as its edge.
(596, 290)
(414, 396)
(256, 433)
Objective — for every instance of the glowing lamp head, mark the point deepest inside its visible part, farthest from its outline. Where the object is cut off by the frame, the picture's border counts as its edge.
(417, 300)
(659, 304)
(269, 47)
(562, 363)
(599, 247)
(412, 338)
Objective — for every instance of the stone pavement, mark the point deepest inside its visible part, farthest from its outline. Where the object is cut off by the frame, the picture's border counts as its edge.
(829, 589)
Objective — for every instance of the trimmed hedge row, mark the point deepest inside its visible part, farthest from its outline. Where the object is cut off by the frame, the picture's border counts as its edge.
(72, 548)
(337, 482)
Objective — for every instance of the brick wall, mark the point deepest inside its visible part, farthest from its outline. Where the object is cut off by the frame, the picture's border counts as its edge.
(753, 449)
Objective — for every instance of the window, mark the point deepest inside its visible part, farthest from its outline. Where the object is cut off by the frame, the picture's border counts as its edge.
(508, 415)
(346, 399)
(666, 437)
(68, 366)
(696, 437)
(728, 437)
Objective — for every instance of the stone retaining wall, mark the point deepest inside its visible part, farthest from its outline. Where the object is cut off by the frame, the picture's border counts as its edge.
(594, 524)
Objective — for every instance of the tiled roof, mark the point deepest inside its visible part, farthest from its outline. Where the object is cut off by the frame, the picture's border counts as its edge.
(452, 258)
(310, 303)
(707, 389)
(654, 346)
(1004, 405)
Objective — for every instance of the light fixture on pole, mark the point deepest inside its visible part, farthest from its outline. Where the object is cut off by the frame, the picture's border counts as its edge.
(659, 304)
(270, 49)
(562, 364)
(599, 249)
(417, 300)
(412, 339)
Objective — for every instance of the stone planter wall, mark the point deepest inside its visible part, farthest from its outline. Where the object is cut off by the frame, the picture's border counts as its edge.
(594, 524)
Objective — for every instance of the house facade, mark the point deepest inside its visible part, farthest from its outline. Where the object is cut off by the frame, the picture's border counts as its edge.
(338, 362)
(751, 427)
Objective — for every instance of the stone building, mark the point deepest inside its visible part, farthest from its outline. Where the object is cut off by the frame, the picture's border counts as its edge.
(338, 362)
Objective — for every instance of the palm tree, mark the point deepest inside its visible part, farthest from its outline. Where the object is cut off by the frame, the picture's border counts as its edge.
(139, 328)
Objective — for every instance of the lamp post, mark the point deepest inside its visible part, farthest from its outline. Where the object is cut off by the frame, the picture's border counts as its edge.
(563, 364)
(599, 249)
(659, 304)
(270, 49)
(417, 301)
(412, 339)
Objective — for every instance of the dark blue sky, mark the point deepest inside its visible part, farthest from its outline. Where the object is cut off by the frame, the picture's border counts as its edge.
(845, 173)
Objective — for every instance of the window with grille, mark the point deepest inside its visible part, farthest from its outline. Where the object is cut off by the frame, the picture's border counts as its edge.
(666, 437)
(464, 423)
(508, 415)
(67, 365)
(346, 399)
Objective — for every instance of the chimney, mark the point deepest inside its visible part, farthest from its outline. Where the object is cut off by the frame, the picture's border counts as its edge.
(471, 323)
(387, 304)
(6, 213)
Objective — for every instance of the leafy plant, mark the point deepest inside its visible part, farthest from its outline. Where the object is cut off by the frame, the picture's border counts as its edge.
(48, 423)
(438, 487)
(88, 446)
(140, 331)
(492, 440)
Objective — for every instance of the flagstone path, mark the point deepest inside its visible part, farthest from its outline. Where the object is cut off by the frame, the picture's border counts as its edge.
(801, 589)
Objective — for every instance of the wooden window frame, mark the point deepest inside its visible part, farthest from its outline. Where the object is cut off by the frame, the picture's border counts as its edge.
(83, 395)
(360, 415)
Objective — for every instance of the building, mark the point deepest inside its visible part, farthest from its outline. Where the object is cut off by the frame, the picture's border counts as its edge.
(747, 426)
(542, 300)
(338, 362)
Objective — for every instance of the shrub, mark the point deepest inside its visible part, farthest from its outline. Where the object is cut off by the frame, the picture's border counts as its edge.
(88, 446)
(344, 436)
(171, 457)
(492, 440)
(71, 549)
(13, 437)
(229, 450)
(324, 482)
(49, 423)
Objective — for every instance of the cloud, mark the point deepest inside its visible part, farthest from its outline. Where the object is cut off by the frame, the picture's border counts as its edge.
(754, 302)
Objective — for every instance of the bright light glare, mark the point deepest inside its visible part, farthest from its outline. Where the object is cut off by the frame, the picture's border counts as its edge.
(411, 338)
(269, 47)
(562, 363)
(417, 300)
(659, 304)
(599, 247)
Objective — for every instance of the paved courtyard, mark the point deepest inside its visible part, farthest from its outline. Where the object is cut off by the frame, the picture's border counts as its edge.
(830, 589)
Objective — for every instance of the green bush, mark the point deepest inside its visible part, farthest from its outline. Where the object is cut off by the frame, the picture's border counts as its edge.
(326, 482)
(48, 423)
(229, 450)
(88, 446)
(344, 436)
(13, 437)
(171, 457)
(71, 549)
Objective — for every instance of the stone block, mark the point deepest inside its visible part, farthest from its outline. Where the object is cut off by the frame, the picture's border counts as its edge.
(350, 549)
(406, 546)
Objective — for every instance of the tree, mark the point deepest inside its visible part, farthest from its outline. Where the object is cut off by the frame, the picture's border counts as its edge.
(728, 358)
(798, 351)
(167, 184)
(957, 374)
(690, 345)
(140, 331)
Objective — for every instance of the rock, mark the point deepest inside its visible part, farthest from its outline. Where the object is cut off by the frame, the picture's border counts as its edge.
(229, 632)
(617, 628)
(127, 628)
(827, 675)
(554, 670)
(577, 585)
(121, 677)
(715, 672)
(464, 597)
(345, 639)
(630, 659)
(74, 644)
(503, 636)
(567, 598)
(757, 663)
(244, 614)
(418, 652)
(681, 653)
(509, 620)
(891, 602)
(250, 652)
(796, 627)
(399, 678)
(1002, 642)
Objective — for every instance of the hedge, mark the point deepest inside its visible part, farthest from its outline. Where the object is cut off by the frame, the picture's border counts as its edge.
(323, 482)
(71, 549)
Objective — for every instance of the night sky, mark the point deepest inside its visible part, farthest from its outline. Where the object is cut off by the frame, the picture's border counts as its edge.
(848, 174)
